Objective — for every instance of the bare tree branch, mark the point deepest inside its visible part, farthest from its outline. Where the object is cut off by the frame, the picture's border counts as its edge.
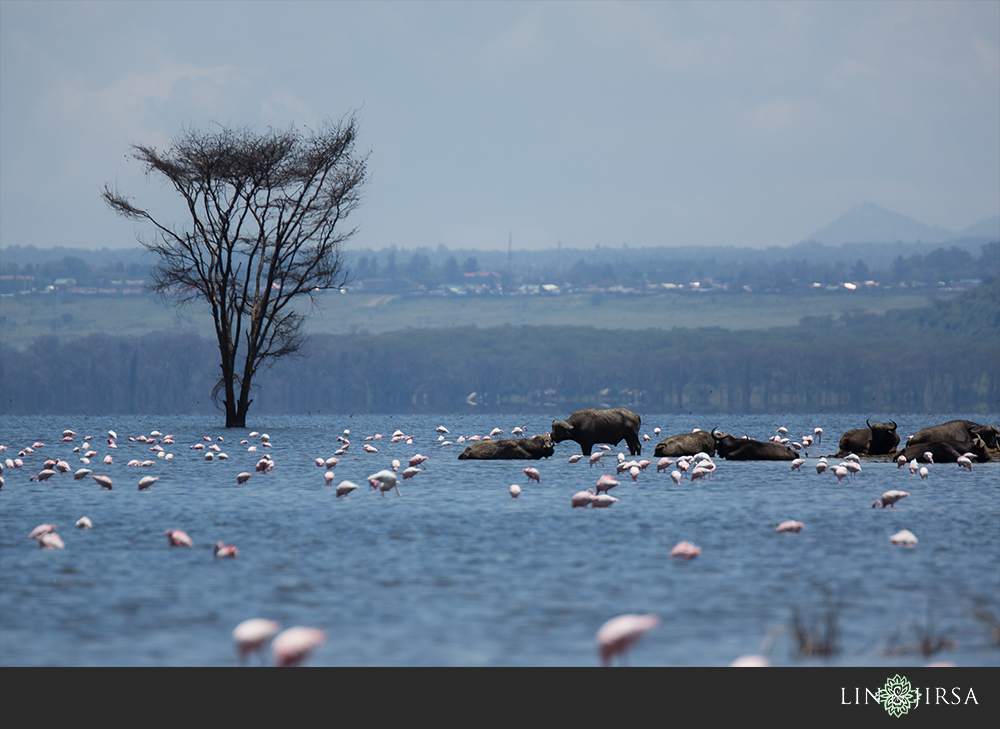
(264, 232)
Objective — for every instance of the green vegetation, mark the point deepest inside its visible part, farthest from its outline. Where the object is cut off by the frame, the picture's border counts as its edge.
(941, 357)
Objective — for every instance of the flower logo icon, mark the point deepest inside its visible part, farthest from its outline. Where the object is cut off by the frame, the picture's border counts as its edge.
(897, 696)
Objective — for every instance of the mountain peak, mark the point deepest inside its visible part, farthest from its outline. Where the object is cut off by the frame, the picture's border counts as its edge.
(869, 223)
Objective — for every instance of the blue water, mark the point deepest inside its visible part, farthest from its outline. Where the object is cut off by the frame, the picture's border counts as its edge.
(456, 573)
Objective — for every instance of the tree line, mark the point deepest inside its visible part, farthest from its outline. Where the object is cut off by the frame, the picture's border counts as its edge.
(938, 358)
(415, 270)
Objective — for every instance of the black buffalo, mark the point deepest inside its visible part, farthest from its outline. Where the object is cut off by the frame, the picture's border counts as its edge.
(957, 430)
(686, 444)
(527, 449)
(947, 451)
(878, 439)
(745, 449)
(591, 426)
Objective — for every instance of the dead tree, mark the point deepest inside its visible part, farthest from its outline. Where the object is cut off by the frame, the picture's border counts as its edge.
(262, 235)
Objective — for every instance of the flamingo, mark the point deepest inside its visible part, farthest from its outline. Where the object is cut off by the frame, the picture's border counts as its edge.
(384, 480)
(417, 460)
(410, 472)
(904, 538)
(226, 550)
(146, 481)
(797, 463)
(821, 466)
(291, 647)
(250, 636)
(328, 477)
(596, 458)
(331, 462)
(104, 481)
(575, 458)
(533, 474)
(177, 538)
(751, 661)
(515, 490)
(41, 529)
(583, 498)
(320, 463)
(345, 487)
(789, 526)
(889, 498)
(685, 550)
(634, 473)
(841, 473)
(606, 482)
(964, 462)
(900, 461)
(928, 457)
(84, 523)
(619, 634)
(675, 476)
(663, 464)
(243, 477)
(818, 432)
(924, 473)
(50, 541)
(602, 501)
(443, 430)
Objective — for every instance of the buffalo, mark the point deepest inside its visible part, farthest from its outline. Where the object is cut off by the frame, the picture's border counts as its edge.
(686, 444)
(591, 426)
(957, 430)
(878, 439)
(947, 451)
(745, 449)
(527, 449)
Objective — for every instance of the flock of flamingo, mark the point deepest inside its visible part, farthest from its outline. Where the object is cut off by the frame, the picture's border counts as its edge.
(293, 646)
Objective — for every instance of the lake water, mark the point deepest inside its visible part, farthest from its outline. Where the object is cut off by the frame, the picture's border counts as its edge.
(456, 573)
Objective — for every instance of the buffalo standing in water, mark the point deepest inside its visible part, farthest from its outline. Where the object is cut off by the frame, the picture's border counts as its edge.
(745, 449)
(878, 439)
(963, 431)
(590, 426)
(529, 449)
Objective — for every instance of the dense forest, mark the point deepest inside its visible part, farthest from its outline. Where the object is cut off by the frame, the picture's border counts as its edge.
(939, 358)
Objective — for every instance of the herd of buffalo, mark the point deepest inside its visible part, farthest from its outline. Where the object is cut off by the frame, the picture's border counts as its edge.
(945, 443)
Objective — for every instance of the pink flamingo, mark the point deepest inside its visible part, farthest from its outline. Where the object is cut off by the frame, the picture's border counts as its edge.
(964, 462)
(84, 523)
(515, 490)
(533, 474)
(606, 482)
(663, 464)
(41, 529)
(685, 550)
(243, 477)
(596, 458)
(789, 526)
(417, 460)
(104, 481)
(583, 498)
(889, 498)
(345, 487)
(328, 477)
(50, 541)
(900, 461)
(675, 476)
(619, 634)
(146, 481)
(226, 550)
(602, 501)
(904, 538)
(250, 636)
(291, 647)
(410, 472)
(177, 538)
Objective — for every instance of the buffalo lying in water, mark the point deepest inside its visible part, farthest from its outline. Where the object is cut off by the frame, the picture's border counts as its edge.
(686, 444)
(946, 451)
(957, 430)
(527, 449)
(745, 449)
(878, 439)
(590, 426)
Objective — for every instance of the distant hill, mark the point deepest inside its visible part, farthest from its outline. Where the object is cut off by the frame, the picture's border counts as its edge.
(868, 223)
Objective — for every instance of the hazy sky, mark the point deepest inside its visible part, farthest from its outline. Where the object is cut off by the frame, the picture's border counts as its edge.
(585, 123)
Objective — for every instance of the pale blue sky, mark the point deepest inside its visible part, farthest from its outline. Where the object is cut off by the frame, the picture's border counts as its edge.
(586, 123)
